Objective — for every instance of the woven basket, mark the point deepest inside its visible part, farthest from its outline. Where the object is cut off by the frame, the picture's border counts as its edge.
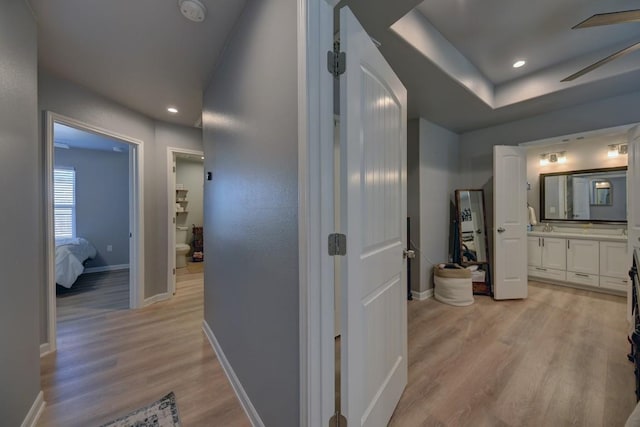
(453, 286)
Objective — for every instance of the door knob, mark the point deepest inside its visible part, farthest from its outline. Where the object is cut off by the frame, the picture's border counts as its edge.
(501, 230)
(408, 253)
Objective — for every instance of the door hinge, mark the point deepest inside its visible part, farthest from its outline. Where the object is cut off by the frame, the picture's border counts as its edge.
(174, 169)
(337, 244)
(336, 60)
(174, 219)
(338, 420)
(174, 271)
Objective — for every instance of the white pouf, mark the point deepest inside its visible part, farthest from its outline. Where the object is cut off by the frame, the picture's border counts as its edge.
(453, 286)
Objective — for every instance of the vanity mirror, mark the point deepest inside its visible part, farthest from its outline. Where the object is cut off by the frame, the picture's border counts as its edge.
(472, 244)
(593, 195)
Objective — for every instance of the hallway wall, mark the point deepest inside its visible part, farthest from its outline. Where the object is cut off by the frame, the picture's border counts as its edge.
(21, 255)
(250, 124)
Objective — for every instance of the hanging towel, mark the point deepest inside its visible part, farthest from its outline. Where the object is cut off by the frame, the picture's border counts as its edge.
(532, 216)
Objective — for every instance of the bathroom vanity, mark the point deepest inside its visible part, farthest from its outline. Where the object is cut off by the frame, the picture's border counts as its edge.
(594, 259)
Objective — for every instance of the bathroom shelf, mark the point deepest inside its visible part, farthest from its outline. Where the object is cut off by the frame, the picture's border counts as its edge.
(179, 212)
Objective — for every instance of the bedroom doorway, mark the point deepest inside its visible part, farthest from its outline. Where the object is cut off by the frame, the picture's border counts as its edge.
(94, 225)
(185, 175)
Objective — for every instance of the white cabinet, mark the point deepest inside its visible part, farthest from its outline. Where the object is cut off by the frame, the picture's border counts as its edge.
(553, 253)
(613, 260)
(547, 258)
(614, 266)
(534, 251)
(583, 256)
(579, 261)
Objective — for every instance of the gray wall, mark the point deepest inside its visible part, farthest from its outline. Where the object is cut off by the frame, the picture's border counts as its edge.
(439, 178)
(21, 257)
(477, 146)
(251, 208)
(102, 201)
(190, 172)
(71, 100)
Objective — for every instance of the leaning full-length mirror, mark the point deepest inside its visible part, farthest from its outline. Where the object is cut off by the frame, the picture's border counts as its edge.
(471, 226)
(471, 243)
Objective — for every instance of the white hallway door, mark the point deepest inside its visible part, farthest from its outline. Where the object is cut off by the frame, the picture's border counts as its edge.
(373, 116)
(510, 222)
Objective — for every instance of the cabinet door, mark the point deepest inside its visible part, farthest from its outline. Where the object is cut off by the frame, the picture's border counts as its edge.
(614, 261)
(534, 251)
(583, 256)
(554, 253)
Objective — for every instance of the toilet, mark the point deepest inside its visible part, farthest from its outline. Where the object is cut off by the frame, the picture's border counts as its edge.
(182, 248)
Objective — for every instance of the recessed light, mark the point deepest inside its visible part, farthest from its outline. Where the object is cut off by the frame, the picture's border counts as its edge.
(519, 63)
(172, 110)
(202, 158)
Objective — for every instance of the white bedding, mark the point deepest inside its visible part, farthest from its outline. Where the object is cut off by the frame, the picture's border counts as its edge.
(70, 255)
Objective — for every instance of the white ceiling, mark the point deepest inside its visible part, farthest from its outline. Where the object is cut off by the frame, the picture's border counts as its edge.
(76, 138)
(493, 34)
(142, 54)
(454, 56)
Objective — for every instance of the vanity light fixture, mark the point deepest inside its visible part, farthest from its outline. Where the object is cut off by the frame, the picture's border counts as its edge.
(544, 161)
(562, 157)
(616, 149)
(558, 157)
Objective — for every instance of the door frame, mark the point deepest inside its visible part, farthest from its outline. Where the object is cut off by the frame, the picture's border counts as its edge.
(171, 212)
(136, 215)
(315, 211)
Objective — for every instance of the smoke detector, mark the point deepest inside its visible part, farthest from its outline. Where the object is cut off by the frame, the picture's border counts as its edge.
(193, 10)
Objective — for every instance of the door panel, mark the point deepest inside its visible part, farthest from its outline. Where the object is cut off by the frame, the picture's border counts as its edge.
(534, 251)
(510, 224)
(373, 208)
(554, 253)
(583, 256)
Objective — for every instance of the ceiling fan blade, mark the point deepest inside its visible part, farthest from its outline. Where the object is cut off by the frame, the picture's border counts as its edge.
(600, 63)
(610, 18)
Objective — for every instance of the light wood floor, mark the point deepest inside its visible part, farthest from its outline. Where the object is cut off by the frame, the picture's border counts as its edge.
(557, 358)
(92, 295)
(114, 361)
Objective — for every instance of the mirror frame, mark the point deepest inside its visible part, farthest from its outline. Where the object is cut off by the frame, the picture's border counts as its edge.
(571, 172)
(486, 288)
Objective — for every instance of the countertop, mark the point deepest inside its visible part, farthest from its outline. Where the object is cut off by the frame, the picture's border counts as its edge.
(588, 234)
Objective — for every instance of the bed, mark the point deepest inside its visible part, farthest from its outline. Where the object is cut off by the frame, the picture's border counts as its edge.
(70, 257)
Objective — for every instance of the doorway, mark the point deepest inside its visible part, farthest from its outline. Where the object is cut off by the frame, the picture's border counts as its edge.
(102, 253)
(185, 172)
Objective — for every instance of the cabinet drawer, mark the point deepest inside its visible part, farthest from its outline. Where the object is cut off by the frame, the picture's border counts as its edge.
(547, 273)
(583, 278)
(614, 283)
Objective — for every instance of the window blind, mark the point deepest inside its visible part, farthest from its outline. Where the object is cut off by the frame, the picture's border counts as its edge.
(64, 202)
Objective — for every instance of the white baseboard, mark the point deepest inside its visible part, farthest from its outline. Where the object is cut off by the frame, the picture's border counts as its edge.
(45, 349)
(34, 413)
(156, 298)
(106, 268)
(420, 296)
(233, 379)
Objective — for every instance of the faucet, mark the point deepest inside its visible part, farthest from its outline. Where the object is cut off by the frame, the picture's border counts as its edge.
(547, 227)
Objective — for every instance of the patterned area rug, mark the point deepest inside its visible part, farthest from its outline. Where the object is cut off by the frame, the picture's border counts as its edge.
(163, 413)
